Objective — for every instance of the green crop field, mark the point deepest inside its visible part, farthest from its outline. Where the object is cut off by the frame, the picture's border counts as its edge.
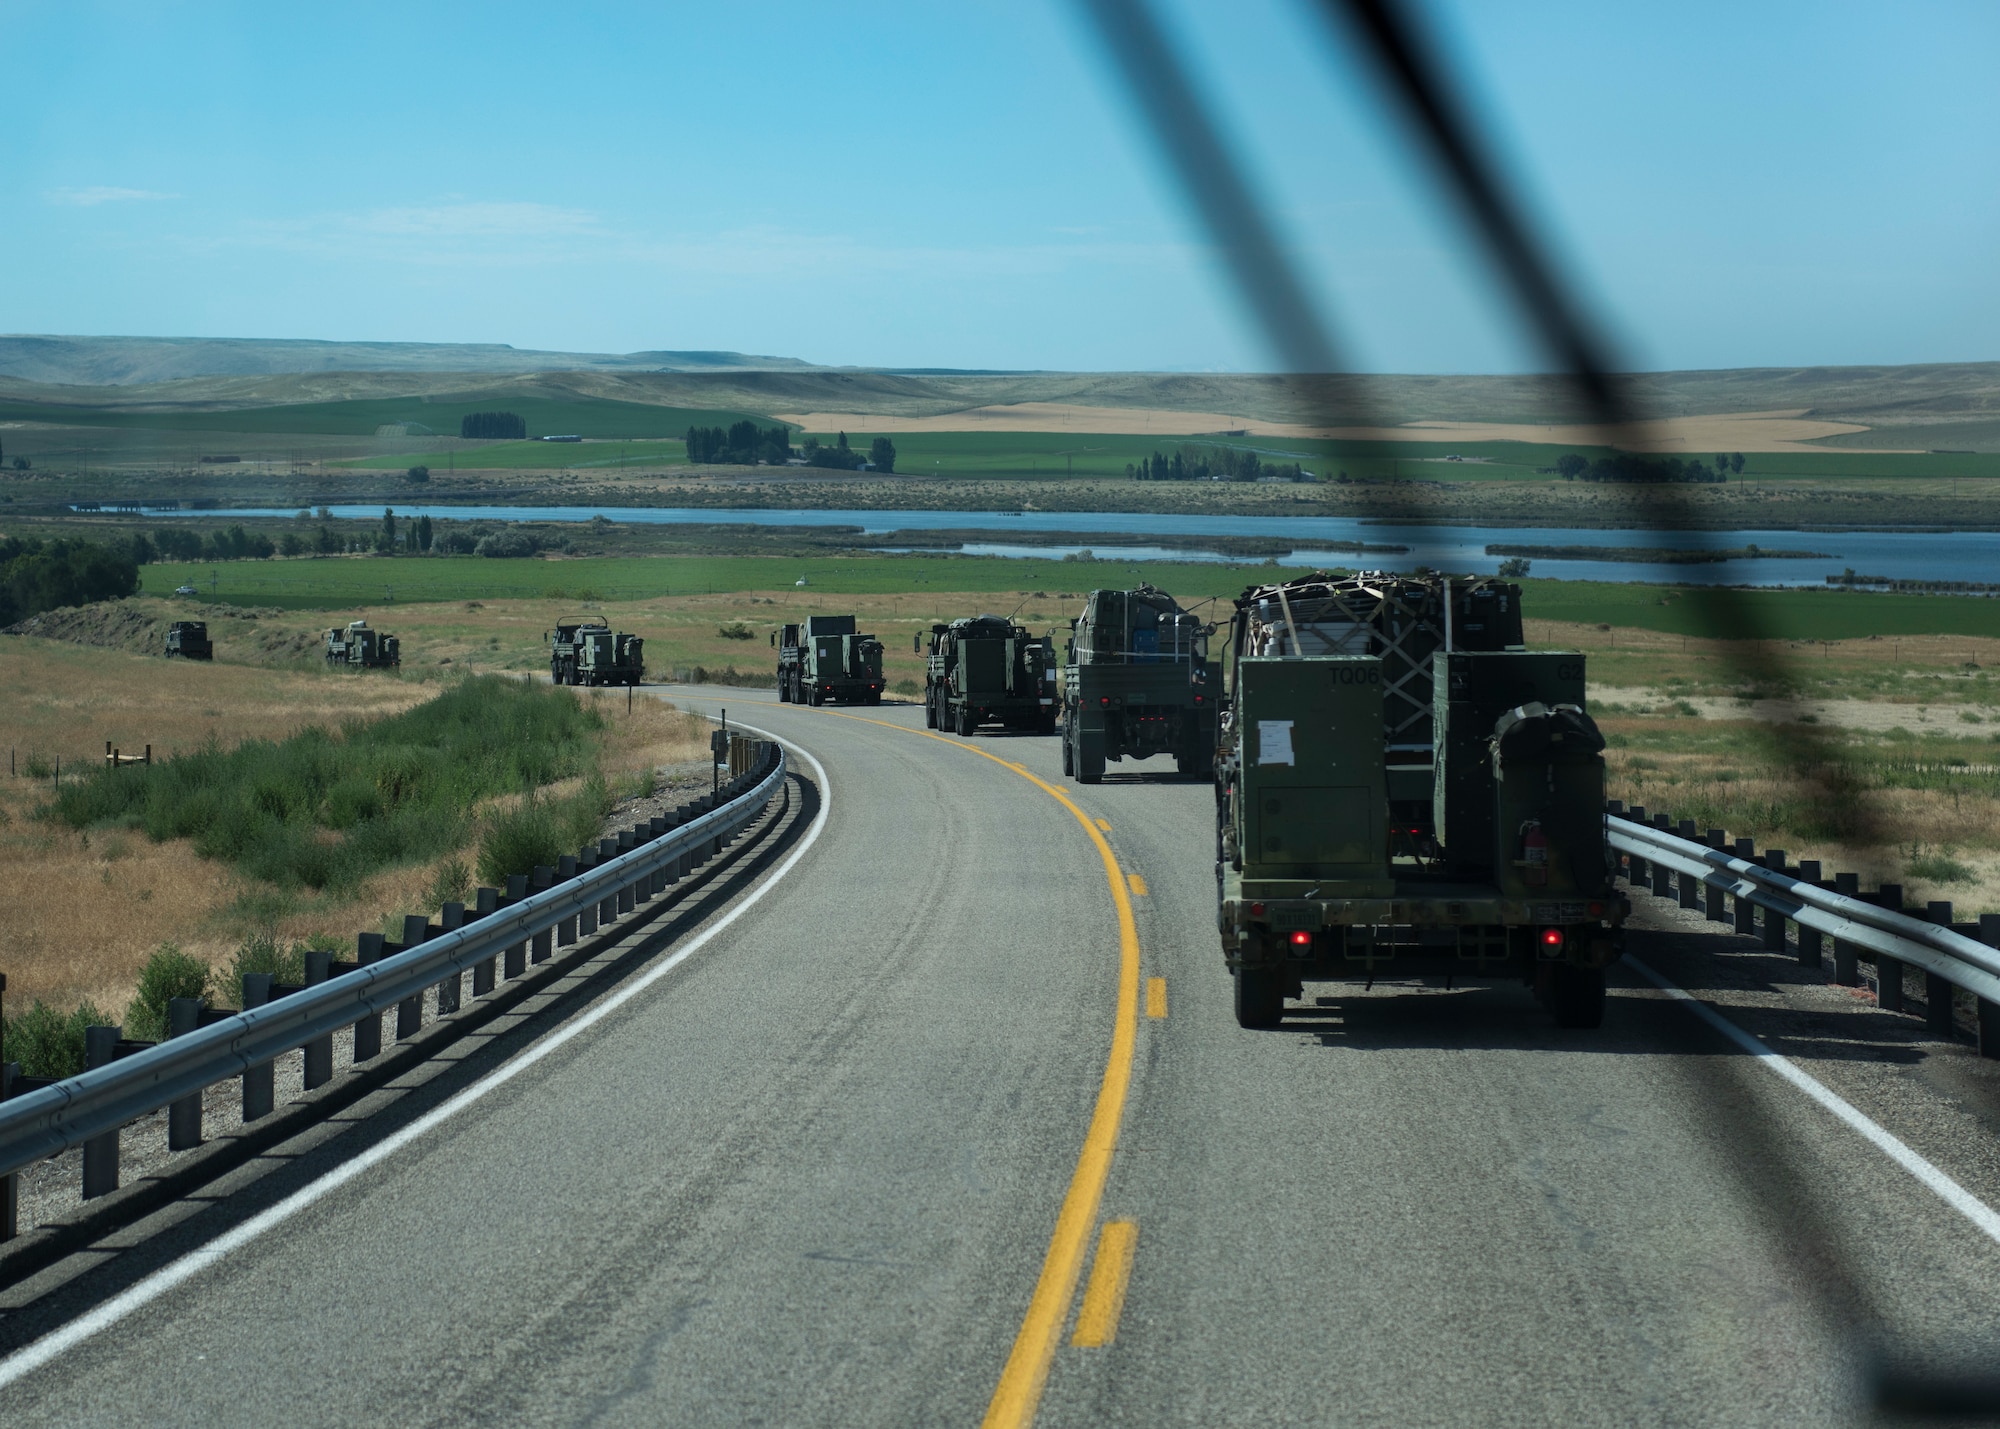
(544, 416)
(534, 456)
(337, 583)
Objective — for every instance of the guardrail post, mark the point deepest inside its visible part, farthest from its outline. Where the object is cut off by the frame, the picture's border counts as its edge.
(1635, 865)
(1809, 938)
(451, 992)
(1846, 958)
(586, 916)
(1774, 921)
(1989, 1012)
(607, 907)
(517, 953)
(10, 1184)
(410, 1011)
(183, 1116)
(566, 929)
(1746, 911)
(642, 887)
(1663, 877)
(100, 1153)
(628, 839)
(1689, 884)
(482, 971)
(539, 882)
(1713, 910)
(368, 1031)
(260, 1081)
(319, 1051)
(1938, 991)
(1889, 970)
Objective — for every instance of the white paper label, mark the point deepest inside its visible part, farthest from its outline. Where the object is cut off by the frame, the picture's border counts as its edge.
(1274, 741)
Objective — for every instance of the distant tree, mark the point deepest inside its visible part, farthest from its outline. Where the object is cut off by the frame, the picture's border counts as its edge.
(35, 577)
(882, 452)
(493, 426)
(418, 473)
(139, 549)
(1736, 463)
(326, 541)
(1570, 466)
(423, 533)
(385, 540)
(843, 441)
(289, 544)
(20, 463)
(1514, 567)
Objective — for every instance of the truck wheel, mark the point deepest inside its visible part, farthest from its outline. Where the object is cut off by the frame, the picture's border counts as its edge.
(1260, 1000)
(966, 723)
(1578, 996)
(1089, 760)
(930, 711)
(1069, 755)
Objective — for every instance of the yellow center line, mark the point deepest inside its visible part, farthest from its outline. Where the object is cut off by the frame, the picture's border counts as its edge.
(1156, 997)
(1104, 1297)
(1138, 885)
(1019, 1392)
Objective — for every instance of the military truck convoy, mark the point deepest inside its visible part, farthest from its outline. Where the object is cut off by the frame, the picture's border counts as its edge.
(359, 648)
(586, 651)
(1403, 791)
(188, 640)
(985, 669)
(1138, 682)
(827, 661)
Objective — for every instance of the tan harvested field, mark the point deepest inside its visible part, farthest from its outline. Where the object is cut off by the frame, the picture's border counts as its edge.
(1784, 431)
(80, 911)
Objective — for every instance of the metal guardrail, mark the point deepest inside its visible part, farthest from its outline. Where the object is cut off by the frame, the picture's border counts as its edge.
(1702, 875)
(99, 1102)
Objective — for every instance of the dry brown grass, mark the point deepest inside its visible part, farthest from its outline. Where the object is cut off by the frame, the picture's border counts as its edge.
(81, 911)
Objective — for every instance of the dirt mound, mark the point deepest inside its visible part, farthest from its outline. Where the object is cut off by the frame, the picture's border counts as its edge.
(253, 635)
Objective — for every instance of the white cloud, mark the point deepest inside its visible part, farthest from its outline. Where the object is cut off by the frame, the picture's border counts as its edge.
(474, 220)
(103, 193)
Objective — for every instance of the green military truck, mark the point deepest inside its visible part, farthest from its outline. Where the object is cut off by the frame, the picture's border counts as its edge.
(827, 660)
(188, 640)
(1137, 683)
(1404, 792)
(985, 669)
(590, 652)
(359, 648)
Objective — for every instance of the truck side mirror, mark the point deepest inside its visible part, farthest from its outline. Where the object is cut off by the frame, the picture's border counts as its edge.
(774, 639)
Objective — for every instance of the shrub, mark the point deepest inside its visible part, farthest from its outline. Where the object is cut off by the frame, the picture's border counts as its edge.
(1938, 867)
(49, 1044)
(418, 474)
(450, 884)
(538, 831)
(168, 974)
(506, 544)
(736, 631)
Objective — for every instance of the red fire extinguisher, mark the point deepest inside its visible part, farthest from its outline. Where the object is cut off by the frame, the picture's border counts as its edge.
(1534, 855)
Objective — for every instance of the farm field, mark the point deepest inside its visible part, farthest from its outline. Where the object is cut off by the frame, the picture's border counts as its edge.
(532, 456)
(338, 583)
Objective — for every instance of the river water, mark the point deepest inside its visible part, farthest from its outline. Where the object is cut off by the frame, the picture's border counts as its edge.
(1961, 555)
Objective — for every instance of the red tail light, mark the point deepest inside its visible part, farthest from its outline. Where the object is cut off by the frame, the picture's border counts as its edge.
(1302, 939)
(1552, 937)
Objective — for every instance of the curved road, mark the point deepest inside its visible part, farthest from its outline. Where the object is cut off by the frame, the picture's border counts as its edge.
(812, 1175)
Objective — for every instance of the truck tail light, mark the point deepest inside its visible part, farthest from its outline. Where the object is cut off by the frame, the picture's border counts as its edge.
(1302, 939)
(1552, 937)
(1256, 910)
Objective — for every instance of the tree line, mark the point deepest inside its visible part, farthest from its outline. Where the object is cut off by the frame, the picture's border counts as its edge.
(37, 575)
(493, 426)
(1213, 464)
(744, 444)
(1630, 467)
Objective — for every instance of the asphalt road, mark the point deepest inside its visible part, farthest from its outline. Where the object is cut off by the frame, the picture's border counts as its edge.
(812, 1175)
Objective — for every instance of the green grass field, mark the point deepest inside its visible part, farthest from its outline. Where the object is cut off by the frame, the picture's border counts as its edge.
(535, 456)
(342, 582)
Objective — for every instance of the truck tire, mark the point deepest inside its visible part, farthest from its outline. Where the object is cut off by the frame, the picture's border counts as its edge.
(1577, 996)
(1260, 998)
(965, 722)
(1069, 754)
(1089, 760)
(930, 711)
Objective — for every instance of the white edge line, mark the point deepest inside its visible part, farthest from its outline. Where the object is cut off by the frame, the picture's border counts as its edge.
(1898, 1151)
(33, 1356)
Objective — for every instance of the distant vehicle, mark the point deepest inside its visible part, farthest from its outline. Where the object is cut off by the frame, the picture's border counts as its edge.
(589, 652)
(188, 640)
(1138, 682)
(827, 660)
(984, 669)
(185, 590)
(567, 438)
(359, 648)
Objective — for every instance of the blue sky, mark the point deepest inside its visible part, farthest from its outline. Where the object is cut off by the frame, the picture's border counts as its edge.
(964, 184)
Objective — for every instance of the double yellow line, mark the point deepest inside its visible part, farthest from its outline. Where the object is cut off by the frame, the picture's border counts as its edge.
(1019, 1392)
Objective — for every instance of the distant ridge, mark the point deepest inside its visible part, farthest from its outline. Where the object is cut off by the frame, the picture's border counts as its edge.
(128, 361)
